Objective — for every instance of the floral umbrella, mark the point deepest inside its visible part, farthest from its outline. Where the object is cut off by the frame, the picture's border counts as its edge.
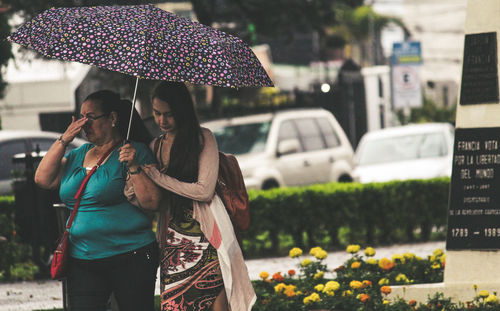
(143, 41)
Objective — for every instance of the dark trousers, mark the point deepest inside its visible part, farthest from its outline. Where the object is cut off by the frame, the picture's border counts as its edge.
(131, 277)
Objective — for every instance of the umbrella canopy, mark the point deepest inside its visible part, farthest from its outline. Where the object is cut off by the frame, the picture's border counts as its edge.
(143, 41)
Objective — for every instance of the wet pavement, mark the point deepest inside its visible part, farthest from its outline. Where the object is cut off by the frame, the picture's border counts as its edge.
(28, 296)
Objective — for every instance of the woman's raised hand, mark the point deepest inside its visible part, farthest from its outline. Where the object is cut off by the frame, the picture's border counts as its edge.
(127, 155)
(73, 129)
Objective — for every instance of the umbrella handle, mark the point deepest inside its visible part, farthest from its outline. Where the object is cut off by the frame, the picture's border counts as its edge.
(132, 109)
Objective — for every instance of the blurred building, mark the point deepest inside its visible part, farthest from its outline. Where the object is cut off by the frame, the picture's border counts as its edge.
(40, 93)
(439, 26)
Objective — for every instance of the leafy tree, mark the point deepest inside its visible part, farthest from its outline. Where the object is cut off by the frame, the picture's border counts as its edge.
(429, 112)
(5, 49)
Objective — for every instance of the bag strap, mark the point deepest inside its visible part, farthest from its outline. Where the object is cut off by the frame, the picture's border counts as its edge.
(79, 194)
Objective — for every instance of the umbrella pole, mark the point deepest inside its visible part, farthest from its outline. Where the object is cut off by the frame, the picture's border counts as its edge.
(132, 109)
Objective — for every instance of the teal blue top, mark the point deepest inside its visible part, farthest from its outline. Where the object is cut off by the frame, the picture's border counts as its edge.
(106, 224)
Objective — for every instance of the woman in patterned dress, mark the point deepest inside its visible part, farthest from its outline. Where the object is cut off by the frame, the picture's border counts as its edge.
(188, 158)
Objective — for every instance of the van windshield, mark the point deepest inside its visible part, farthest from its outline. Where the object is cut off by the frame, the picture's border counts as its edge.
(243, 138)
(403, 148)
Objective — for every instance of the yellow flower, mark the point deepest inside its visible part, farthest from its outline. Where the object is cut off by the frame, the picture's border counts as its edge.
(383, 281)
(314, 250)
(319, 287)
(279, 288)
(370, 251)
(329, 293)
(418, 258)
(385, 302)
(353, 248)
(432, 258)
(443, 259)
(409, 256)
(371, 261)
(398, 258)
(295, 252)
(438, 252)
(436, 265)
(321, 254)
(264, 275)
(319, 275)
(306, 262)
(484, 293)
(346, 293)
(401, 278)
(355, 284)
(492, 299)
(355, 265)
(332, 286)
(314, 297)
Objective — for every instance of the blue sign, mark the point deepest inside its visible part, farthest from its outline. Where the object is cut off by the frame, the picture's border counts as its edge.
(406, 52)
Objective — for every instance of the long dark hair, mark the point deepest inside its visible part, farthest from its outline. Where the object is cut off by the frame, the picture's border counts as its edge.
(188, 142)
(109, 101)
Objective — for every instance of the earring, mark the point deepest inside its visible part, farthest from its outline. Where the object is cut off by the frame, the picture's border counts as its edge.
(113, 125)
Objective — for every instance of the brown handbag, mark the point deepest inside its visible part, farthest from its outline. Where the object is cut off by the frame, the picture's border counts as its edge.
(58, 268)
(231, 189)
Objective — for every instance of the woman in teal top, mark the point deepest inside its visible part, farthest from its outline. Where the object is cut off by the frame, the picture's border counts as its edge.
(113, 248)
(98, 229)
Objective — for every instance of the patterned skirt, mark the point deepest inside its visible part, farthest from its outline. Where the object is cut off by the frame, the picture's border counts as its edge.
(190, 268)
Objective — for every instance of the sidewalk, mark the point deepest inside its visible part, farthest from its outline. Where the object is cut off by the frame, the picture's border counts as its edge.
(28, 296)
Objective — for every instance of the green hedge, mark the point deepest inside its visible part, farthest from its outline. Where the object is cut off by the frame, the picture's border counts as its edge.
(332, 215)
(327, 215)
(15, 258)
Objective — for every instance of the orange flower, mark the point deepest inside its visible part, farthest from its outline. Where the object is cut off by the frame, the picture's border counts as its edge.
(291, 272)
(386, 264)
(412, 302)
(385, 290)
(290, 293)
(367, 283)
(355, 265)
(339, 268)
(364, 298)
(278, 277)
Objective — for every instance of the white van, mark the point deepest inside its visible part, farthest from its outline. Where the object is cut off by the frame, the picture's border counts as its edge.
(286, 148)
(416, 151)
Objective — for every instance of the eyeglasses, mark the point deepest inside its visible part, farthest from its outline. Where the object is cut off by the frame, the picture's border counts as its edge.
(92, 118)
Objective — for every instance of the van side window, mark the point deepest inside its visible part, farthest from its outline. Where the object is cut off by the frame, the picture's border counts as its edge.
(310, 134)
(7, 151)
(287, 131)
(331, 138)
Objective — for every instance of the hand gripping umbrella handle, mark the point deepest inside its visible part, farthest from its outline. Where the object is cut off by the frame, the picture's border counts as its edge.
(132, 108)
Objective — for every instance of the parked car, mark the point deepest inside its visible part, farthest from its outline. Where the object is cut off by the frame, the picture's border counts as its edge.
(418, 151)
(16, 143)
(286, 148)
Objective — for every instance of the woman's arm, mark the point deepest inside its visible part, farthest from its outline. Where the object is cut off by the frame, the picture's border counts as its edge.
(49, 171)
(203, 189)
(146, 192)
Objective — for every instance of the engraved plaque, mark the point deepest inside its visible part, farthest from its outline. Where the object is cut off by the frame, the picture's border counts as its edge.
(474, 207)
(480, 72)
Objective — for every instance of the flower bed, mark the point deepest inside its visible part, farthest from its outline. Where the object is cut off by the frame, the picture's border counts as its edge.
(361, 283)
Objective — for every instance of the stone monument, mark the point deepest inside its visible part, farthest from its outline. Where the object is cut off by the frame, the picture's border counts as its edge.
(473, 237)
